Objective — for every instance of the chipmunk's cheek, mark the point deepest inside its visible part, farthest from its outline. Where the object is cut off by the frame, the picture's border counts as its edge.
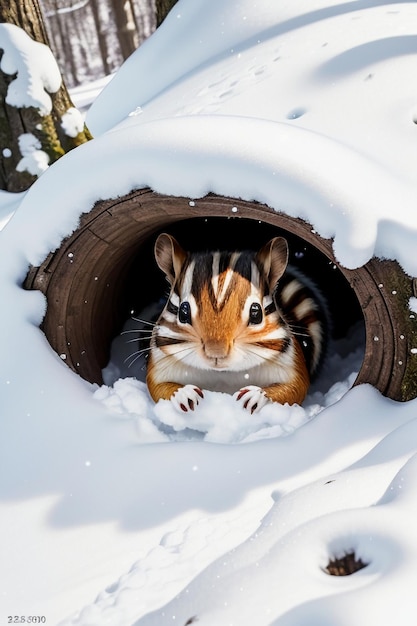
(252, 398)
(187, 398)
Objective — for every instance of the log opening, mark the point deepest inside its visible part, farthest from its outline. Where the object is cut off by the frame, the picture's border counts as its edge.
(106, 268)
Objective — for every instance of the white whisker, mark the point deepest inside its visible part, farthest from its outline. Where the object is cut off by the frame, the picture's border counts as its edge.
(137, 330)
(135, 355)
(147, 322)
(137, 340)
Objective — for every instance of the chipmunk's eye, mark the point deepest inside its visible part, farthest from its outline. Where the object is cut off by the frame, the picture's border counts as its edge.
(184, 313)
(255, 313)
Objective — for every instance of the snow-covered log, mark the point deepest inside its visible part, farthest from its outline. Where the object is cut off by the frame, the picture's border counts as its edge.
(105, 269)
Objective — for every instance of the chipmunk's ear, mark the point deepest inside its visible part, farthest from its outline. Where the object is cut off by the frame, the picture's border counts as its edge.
(273, 257)
(169, 255)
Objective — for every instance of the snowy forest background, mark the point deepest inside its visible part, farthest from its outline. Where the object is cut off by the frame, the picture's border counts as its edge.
(91, 38)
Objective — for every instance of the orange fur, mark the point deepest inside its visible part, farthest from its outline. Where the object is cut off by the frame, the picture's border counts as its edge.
(218, 328)
(159, 391)
(295, 391)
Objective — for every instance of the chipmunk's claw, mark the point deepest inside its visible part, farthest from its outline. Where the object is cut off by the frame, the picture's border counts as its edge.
(187, 398)
(252, 398)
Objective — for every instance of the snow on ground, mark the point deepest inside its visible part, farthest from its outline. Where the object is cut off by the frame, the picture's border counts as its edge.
(113, 511)
(83, 95)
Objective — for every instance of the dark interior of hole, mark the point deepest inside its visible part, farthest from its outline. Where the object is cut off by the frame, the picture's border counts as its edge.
(145, 283)
(345, 565)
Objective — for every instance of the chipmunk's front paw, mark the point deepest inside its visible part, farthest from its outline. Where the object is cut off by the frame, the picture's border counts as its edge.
(252, 398)
(187, 398)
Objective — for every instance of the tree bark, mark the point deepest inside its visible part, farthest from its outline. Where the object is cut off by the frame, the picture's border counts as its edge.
(163, 7)
(26, 14)
(14, 122)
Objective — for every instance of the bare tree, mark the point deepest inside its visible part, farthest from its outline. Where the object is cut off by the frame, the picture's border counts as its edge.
(126, 28)
(101, 39)
(51, 130)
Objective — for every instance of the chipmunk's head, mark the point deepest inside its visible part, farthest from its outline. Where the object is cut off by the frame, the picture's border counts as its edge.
(221, 313)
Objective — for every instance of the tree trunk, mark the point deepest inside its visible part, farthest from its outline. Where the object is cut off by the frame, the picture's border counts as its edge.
(163, 7)
(26, 14)
(126, 32)
(102, 42)
(45, 128)
(65, 46)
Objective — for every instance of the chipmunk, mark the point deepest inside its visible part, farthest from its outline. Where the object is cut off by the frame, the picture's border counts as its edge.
(236, 322)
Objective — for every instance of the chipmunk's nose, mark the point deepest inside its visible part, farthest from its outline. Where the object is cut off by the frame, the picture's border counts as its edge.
(216, 349)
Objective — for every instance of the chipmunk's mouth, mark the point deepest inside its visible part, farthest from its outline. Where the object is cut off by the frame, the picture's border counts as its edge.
(217, 363)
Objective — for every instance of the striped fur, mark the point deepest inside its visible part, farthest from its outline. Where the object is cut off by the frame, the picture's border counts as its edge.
(226, 328)
(305, 312)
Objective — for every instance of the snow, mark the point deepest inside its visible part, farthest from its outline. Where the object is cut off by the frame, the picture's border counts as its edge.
(318, 74)
(35, 66)
(72, 122)
(34, 160)
(117, 511)
(8, 206)
(83, 95)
